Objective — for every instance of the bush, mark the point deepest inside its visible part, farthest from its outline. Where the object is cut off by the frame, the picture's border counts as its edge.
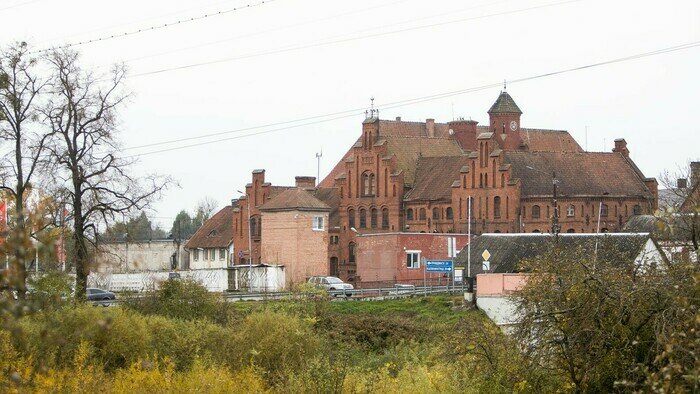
(182, 299)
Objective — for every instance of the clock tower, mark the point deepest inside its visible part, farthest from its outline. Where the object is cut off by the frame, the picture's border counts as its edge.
(504, 121)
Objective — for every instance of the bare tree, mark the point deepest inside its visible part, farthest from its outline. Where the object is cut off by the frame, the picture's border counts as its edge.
(681, 215)
(20, 88)
(83, 113)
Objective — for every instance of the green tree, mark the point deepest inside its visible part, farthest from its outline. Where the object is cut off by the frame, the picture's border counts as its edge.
(138, 228)
(597, 320)
(184, 225)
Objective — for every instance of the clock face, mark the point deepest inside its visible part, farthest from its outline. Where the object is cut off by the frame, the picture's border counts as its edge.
(513, 125)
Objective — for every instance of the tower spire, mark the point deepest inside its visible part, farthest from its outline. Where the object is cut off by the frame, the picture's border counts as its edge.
(504, 85)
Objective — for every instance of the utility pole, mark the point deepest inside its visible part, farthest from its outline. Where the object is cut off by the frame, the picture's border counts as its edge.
(318, 167)
(250, 243)
(555, 217)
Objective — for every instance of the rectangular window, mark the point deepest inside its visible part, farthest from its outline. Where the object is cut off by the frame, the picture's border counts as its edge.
(195, 254)
(413, 258)
(212, 254)
(222, 254)
(317, 223)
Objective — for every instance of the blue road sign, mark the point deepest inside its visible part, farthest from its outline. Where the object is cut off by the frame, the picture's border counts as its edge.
(438, 266)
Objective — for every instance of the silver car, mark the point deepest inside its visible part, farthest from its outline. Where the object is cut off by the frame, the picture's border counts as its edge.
(333, 284)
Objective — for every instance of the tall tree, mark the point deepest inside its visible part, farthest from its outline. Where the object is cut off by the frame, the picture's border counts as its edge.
(83, 113)
(138, 228)
(24, 140)
(681, 218)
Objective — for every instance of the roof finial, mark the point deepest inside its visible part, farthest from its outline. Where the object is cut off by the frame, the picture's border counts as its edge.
(372, 110)
(504, 85)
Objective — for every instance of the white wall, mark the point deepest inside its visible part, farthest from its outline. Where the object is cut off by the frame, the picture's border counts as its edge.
(215, 280)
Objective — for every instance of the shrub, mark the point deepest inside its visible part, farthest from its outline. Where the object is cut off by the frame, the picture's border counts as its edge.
(182, 299)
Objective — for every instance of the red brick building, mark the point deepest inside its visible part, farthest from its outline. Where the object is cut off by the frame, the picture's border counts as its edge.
(420, 176)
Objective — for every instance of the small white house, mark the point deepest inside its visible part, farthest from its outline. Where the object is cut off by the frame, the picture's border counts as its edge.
(212, 245)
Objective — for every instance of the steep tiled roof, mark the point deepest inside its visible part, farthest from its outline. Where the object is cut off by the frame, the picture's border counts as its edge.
(509, 250)
(217, 232)
(504, 105)
(409, 149)
(579, 174)
(295, 199)
(539, 140)
(434, 177)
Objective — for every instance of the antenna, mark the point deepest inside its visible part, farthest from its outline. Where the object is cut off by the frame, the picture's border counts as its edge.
(453, 110)
(318, 167)
(586, 139)
(504, 85)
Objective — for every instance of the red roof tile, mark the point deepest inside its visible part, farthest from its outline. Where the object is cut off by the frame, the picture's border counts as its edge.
(217, 232)
(434, 177)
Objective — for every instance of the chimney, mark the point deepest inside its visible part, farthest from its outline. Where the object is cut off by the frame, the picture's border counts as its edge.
(682, 183)
(621, 147)
(464, 131)
(398, 118)
(305, 182)
(430, 127)
(694, 173)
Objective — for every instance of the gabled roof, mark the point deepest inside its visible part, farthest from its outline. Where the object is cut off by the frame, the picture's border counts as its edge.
(504, 105)
(409, 149)
(509, 250)
(542, 140)
(677, 227)
(330, 197)
(295, 199)
(579, 174)
(216, 232)
(434, 177)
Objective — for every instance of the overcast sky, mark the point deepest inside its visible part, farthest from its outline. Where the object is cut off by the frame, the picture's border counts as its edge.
(292, 59)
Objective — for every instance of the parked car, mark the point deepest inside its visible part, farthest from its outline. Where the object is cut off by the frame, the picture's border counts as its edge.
(332, 284)
(94, 294)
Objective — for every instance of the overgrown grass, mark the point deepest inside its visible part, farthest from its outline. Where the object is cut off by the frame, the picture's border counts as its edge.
(314, 346)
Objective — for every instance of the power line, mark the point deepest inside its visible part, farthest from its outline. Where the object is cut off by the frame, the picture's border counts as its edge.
(348, 39)
(209, 43)
(397, 104)
(156, 27)
(132, 22)
(19, 5)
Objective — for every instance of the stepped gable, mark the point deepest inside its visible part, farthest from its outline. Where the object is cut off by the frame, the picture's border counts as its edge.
(216, 232)
(435, 176)
(579, 174)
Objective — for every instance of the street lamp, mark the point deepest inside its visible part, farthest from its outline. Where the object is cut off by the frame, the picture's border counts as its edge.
(555, 218)
(250, 240)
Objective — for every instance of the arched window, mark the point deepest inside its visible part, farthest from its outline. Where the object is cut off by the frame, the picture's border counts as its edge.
(486, 180)
(351, 252)
(385, 218)
(536, 231)
(497, 207)
(571, 211)
(571, 230)
(255, 226)
(448, 213)
(436, 213)
(409, 214)
(421, 214)
(369, 184)
(351, 218)
(363, 218)
(535, 212)
(503, 180)
(637, 210)
(373, 218)
(604, 210)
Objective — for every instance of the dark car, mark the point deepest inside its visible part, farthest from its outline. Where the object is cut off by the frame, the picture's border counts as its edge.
(94, 294)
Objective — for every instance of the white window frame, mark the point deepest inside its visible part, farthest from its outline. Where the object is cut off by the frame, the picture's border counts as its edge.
(316, 221)
(571, 211)
(222, 253)
(416, 262)
(195, 255)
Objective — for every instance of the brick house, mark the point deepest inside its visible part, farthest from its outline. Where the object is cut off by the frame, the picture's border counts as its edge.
(298, 224)
(387, 258)
(404, 176)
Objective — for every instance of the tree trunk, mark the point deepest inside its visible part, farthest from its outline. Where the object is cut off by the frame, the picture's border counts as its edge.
(82, 265)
